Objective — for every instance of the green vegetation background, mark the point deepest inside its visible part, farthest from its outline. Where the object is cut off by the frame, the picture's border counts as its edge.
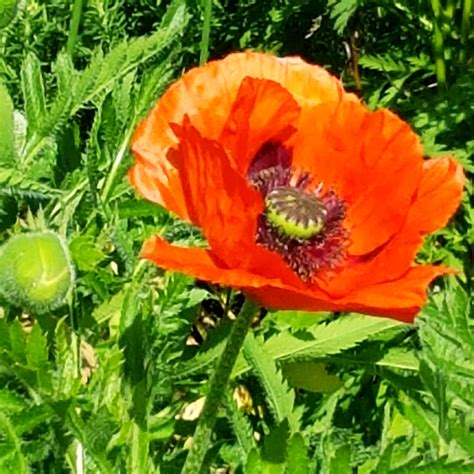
(112, 381)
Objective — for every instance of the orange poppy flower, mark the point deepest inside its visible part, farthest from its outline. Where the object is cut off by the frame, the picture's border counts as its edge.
(307, 199)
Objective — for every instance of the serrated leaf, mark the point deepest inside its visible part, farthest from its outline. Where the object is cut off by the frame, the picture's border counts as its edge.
(341, 461)
(11, 401)
(18, 342)
(67, 378)
(241, 426)
(280, 397)
(297, 461)
(15, 183)
(37, 358)
(16, 461)
(324, 340)
(439, 466)
(138, 461)
(30, 418)
(76, 425)
(85, 252)
(33, 92)
(421, 418)
(341, 11)
(95, 81)
(7, 136)
(274, 447)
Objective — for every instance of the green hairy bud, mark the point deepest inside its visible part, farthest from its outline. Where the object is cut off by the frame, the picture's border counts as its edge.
(35, 271)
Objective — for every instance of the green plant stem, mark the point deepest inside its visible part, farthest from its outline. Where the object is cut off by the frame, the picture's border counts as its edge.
(438, 45)
(465, 28)
(206, 31)
(74, 26)
(217, 388)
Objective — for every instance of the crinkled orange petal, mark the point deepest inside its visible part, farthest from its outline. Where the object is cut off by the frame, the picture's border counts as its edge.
(201, 264)
(263, 111)
(386, 263)
(221, 202)
(372, 159)
(438, 196)
(165, 190)
(206, 95)
(400, 299)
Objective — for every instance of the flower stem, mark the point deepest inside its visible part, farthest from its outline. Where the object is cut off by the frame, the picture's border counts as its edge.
(74, 26)
(206, 31)
(465, 28)
(438, 44)
(217, 388)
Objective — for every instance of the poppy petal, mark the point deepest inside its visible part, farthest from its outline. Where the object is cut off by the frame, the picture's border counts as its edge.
(207, 94)
(436, 200)
(438, 196)
(200, 263)
(400, 299)
(218, 199)
(263, 111)
(364, 156)
(158, 189)
(384, 264)
(221, 202)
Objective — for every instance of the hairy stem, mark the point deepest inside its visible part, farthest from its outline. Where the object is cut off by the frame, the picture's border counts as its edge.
(74, 26)
(206, 31)
(438, 45)
(217, 388)
(465, 28)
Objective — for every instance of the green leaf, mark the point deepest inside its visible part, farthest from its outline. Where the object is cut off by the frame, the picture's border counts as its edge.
(439, 466)
(274, 448)
(324, 339)
(75, 90)
(311, 376)
(16, 183)
(67, 379)
(76, 425)
(31, 418)
(297, 456)
(422, 419)
(341, 11)
(7, 136)
(85, 252)
(37, 358)
(328, 339)
(16, 461)
(138, 460)
(33, 92)
(18, 342)
(11, 402)
(280, 397)
(254, 463)
(8, 10)
(341, 460)
(240, 425)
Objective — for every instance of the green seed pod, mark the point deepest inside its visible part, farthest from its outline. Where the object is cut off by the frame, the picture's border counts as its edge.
(8, 10)
(35, 271)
